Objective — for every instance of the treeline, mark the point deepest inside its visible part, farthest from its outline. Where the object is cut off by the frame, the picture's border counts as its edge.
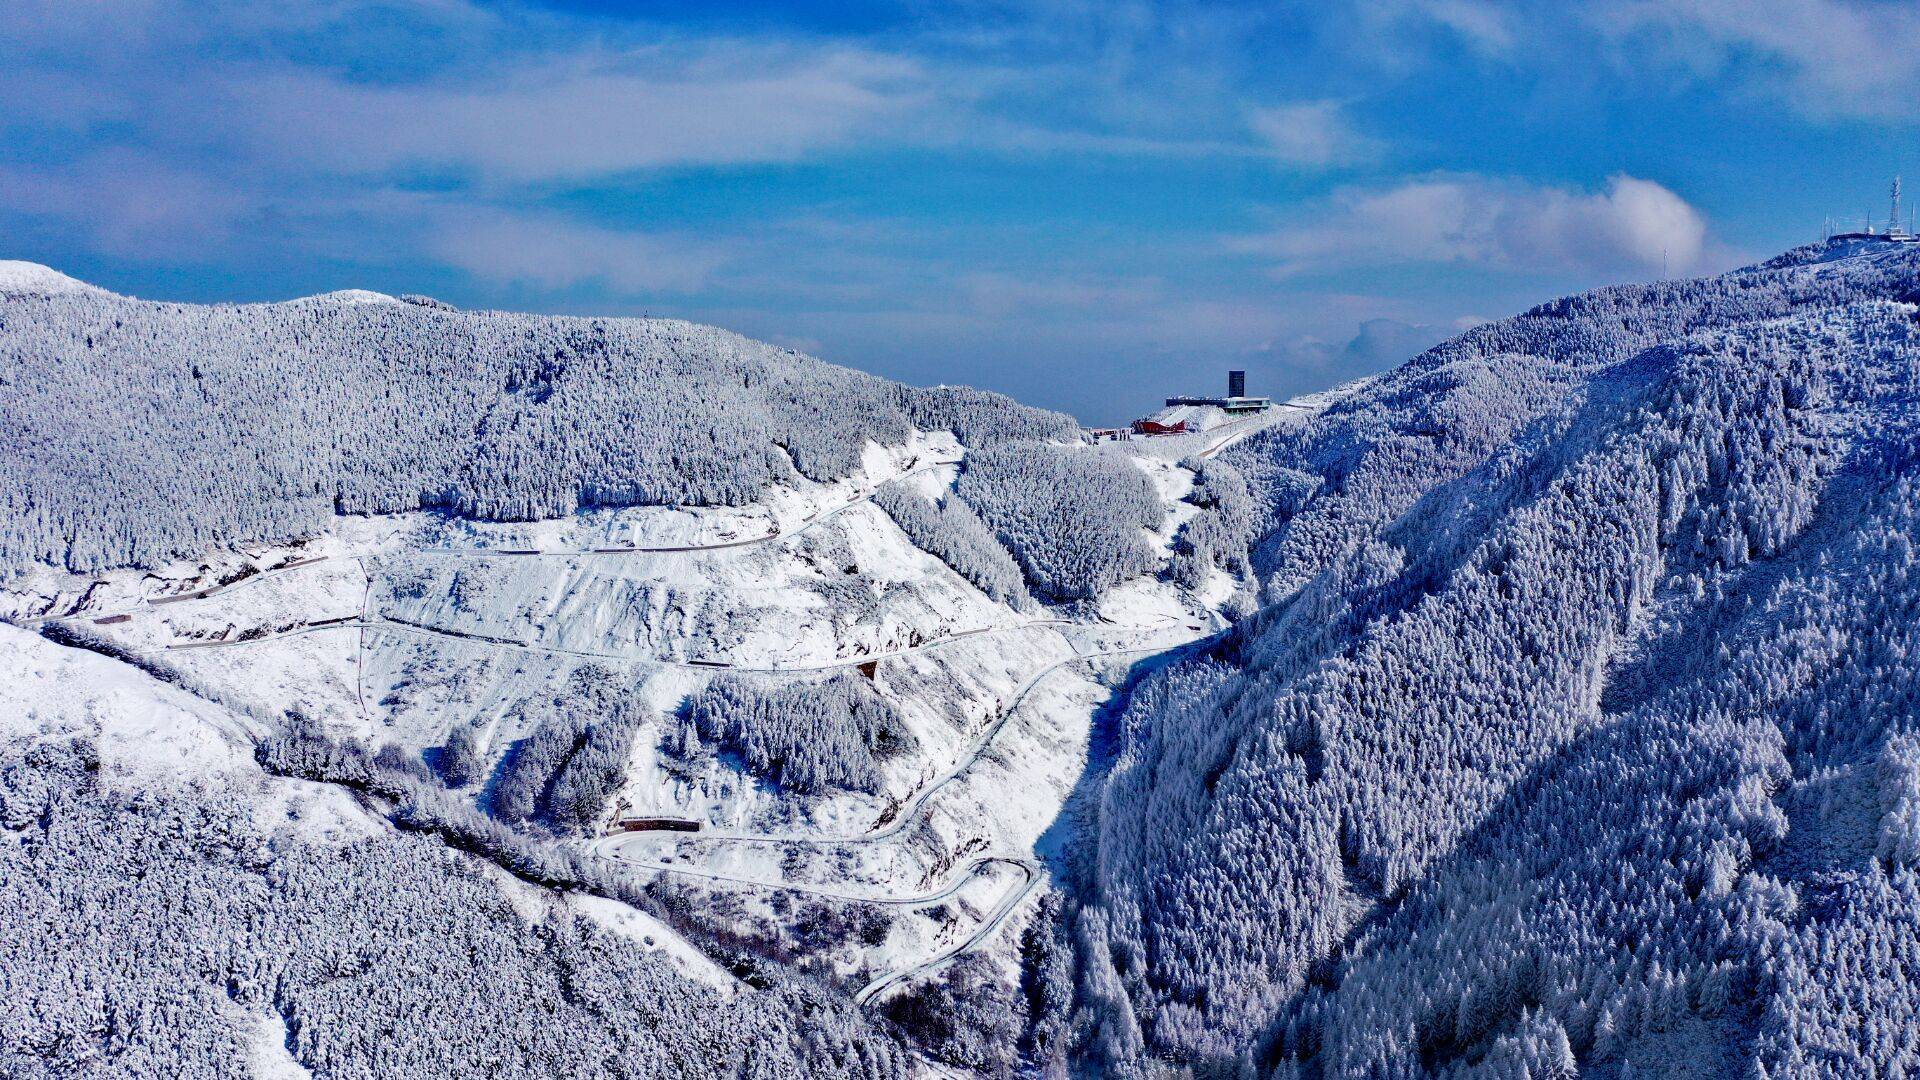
(136, 432)
(302, 748)
(1577, 734)
(808, 737)
(1075, 518)
(380, 957)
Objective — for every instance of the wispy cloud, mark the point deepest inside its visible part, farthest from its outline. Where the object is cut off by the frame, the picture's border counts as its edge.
(722, 103)
(1378, 344)
(1634, 226)
(1829, 58)
(554, 253)
(1402, 35)
(131, 205)
(1039, 178)
(1487, 27)
(1000, 294)
(1311, 134)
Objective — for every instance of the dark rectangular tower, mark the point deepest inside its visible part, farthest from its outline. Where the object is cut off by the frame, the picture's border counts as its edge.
(1236, 384)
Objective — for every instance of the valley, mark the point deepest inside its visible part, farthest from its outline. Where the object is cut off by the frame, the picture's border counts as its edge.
(398, 630)
(1541, 707)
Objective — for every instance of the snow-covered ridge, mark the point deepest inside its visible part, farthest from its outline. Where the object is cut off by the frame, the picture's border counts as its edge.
(263, 421)
(1583, 630)
(346, 296)
(20, 278)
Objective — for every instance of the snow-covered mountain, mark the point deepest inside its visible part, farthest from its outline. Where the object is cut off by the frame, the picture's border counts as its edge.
(434, 600)
(199, 425)
(21, 279)
(446, 693)
(1577, 733)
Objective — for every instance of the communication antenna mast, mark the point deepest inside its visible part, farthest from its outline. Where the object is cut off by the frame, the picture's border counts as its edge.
(1893, 219)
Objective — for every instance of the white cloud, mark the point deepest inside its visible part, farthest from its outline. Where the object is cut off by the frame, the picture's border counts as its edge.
(1633, 227)
(552, 252)
(1404, 35)
(1378, 344)
(1826, 57)
(134, 206)
(1310, 134)
(721, 103)
(1484, 26)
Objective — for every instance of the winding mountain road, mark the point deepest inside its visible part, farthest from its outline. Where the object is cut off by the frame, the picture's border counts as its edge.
(615, 847)
(954, 884)
(987, 928)
(891, 826)
(147, 602)
(394, 624)
(1028, 870)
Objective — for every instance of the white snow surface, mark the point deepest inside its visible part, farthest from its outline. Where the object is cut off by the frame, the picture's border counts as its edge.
(267, 1055)
(18, 277)
(400, 629)
(346, 296)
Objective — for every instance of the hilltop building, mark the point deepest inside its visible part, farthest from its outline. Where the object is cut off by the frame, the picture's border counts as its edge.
(1895, 231)
(1189, 414)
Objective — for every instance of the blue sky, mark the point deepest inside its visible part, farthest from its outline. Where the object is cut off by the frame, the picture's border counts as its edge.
(1088, 206)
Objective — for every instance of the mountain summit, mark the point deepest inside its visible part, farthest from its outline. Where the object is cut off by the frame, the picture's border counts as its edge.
(18, 278)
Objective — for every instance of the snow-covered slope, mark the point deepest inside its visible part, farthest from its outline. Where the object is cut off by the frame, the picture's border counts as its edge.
(1576, 734)
(134, 432)
(19, 278)
(173, 911)
(520, 687)
(1542, 707)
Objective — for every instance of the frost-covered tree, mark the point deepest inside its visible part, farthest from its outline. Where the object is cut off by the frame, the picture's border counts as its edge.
(966, 1015)
(461, 758)
(804, 736)
(568, 769)
(584, 787)
(1075, 517)
(1219, 534)
(950, 530)
(383, 956)
(134, 432)
(1576, 731)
